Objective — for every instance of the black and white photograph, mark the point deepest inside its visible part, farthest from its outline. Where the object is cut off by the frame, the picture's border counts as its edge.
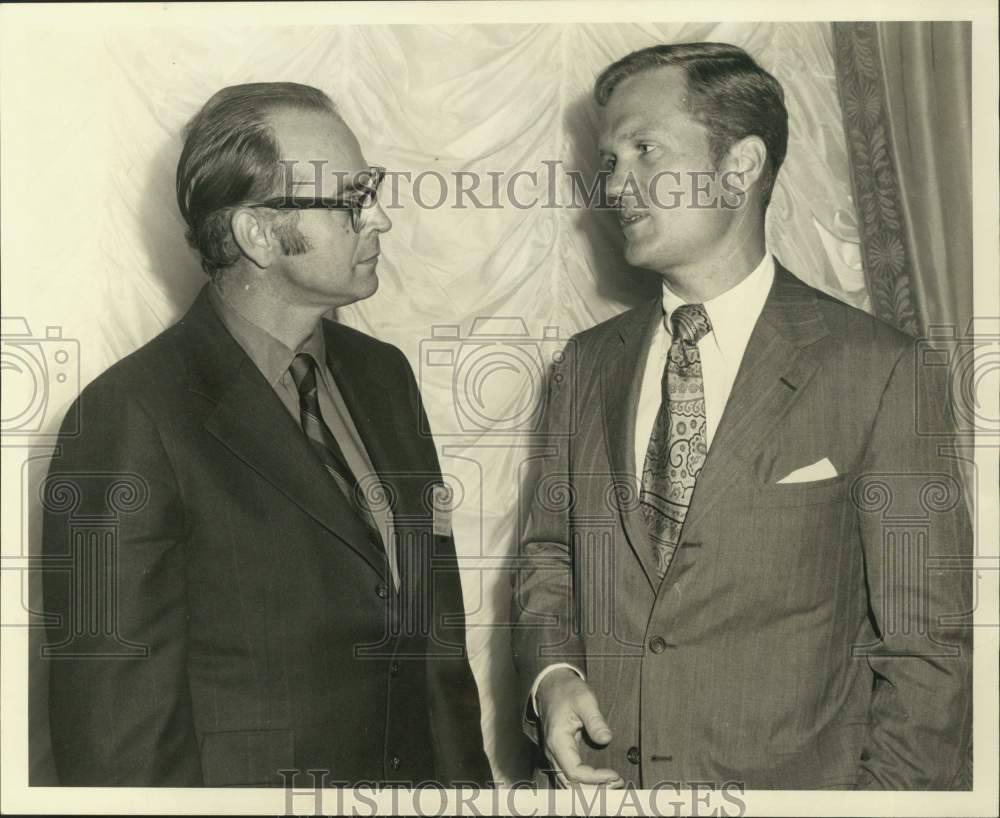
(500, 408)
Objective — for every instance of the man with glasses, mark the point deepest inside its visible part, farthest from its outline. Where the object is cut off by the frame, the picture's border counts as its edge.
(285, 591)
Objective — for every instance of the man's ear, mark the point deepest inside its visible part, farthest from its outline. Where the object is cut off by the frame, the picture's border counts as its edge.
(253, 236)
(745, 163)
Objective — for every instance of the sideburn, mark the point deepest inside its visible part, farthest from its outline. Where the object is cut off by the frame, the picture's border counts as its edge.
(291, 239)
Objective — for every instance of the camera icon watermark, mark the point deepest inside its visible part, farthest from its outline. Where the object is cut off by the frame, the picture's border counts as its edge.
(497, 374)
(969, 363)
(41, 377)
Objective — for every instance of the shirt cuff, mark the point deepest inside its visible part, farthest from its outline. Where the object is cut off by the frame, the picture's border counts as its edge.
(545, 672)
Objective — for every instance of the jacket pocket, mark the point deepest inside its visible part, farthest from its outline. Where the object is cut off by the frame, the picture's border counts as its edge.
(811, 493)
(247, 758)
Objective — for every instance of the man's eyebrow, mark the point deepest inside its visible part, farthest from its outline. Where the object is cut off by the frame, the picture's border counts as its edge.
(644, 131)
(627, 135)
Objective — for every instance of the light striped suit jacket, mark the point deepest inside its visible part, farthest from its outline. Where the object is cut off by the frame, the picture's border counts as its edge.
(806, 635)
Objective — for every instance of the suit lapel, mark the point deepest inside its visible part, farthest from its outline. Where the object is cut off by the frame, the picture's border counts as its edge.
(375, 398)
(621, 380)
(250, 420)
(775, 368)
(378, 401)
(376, 395)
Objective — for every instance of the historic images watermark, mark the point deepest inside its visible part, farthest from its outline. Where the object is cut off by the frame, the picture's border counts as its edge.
(315, 792)
(84, 578)
(497, 374)
(968, 358)
(549, 186)
(500, 376)
(41, 377)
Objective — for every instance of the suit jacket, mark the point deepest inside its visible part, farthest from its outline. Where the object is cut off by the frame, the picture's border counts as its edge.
(805, 635)
(220, 613)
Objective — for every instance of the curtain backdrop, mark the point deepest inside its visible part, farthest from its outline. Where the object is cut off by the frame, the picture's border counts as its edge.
(907, 103)
(115, 271)
(928, 82)
(906, 92)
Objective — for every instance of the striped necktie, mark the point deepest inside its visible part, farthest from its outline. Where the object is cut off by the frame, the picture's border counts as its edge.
(303, 369)
(677, 447)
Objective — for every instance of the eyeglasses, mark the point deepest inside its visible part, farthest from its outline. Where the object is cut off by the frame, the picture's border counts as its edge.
(357, 200)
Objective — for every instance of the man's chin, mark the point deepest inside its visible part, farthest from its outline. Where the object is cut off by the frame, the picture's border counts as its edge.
(648, 255)
(635, 255)
(369, 281)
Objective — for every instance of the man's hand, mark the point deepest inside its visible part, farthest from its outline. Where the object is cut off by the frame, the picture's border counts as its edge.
(567, 707)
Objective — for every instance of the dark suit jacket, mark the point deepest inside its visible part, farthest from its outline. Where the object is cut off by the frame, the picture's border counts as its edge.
(221, 612)
(806, 635)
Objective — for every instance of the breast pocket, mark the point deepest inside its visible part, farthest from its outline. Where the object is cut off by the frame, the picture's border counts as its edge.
(810, 493)
(799, 535)
(247, 758)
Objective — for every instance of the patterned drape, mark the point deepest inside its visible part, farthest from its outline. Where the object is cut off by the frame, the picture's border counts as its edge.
(905, 91)
(877, 194)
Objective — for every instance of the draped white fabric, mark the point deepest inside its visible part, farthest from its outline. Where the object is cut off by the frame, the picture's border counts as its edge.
(105, 131)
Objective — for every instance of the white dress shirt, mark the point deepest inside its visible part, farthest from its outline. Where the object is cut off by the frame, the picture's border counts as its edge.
(733, 316)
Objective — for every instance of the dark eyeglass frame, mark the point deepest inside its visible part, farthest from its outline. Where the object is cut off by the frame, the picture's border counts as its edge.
(356, 201)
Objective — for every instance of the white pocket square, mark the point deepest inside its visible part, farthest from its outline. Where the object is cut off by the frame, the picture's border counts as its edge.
(820, 470)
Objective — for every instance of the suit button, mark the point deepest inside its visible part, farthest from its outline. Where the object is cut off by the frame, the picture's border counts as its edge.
(382, 590)
(394, 668)
(394, 762)
(657, 644)
(633, 755)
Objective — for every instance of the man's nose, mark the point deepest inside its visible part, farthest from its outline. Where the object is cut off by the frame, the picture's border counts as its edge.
(376, 218)
(614, 185)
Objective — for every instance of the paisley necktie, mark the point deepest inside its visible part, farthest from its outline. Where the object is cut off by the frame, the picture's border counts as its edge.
(677, 447)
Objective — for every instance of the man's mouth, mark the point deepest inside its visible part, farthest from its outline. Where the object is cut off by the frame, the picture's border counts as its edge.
(626, 220)
(370, 259)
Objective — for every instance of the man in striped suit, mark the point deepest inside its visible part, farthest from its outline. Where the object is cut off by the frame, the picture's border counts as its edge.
(713, 586)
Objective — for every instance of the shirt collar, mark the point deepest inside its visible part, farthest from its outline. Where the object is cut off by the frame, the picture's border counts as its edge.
(734, 313)
(269, 354)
